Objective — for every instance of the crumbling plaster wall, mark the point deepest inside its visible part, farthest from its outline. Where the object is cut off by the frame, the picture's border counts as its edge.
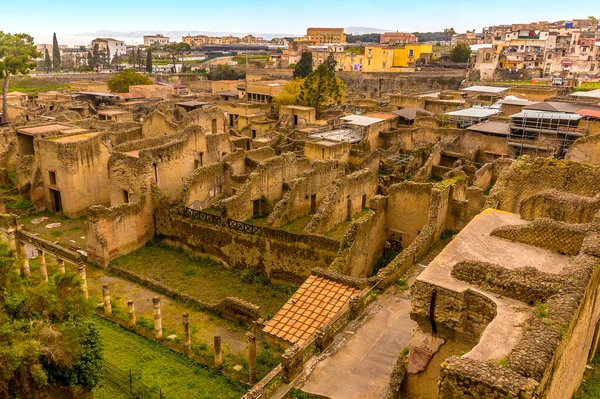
(297, 200)
(345, 200)
(408, 209)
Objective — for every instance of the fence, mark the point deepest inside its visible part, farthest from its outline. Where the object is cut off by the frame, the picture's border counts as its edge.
(215, 219)
(203, 216)
(127, 382)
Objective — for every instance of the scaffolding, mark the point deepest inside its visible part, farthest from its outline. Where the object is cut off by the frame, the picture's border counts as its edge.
(529, 128)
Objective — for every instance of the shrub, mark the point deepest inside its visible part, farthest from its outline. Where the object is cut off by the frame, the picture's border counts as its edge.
(254, 276)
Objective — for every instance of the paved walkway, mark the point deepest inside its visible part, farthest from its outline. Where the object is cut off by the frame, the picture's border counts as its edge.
(362, 367)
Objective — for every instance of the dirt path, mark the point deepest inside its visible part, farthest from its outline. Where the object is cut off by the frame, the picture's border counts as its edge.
(362, 367)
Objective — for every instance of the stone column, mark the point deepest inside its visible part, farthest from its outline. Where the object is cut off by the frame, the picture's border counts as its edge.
(157, 318)
(251, 358)
(82, 276)
(12, 243)
(43, 269)
(25, 270)
(106, 296)
(61, 265)
(131, 310)
(218, 352)
(187, 339)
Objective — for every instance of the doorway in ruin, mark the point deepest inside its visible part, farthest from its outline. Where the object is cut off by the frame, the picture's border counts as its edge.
(56, 200)
(364, 201)
(214, 126)
(313, 203)
(256, 207)
(295, 120)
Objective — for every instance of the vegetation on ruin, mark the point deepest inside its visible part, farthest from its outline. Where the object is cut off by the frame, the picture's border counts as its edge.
(158, 367)
(590, 387)
(212, 281)
(384, 260)
(46, 337)
(127, 77)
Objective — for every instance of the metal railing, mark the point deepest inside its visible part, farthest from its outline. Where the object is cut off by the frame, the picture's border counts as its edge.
(203, 216)
(127, 382)
(244, 227)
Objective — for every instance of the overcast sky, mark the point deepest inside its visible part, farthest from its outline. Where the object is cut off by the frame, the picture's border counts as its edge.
(69, 18)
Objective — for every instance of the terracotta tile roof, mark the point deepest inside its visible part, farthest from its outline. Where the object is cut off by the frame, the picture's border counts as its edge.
(314, 304)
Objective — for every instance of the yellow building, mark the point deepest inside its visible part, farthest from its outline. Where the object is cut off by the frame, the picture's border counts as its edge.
(385, 58)
(326, 35)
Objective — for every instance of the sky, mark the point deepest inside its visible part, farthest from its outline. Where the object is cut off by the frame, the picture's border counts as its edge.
(72, 18)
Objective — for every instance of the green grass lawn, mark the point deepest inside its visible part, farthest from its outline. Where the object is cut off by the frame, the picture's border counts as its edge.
(339, 230)
(590, 387)
(298, 225)
(159, 368)
(202, 277)
(68, 234)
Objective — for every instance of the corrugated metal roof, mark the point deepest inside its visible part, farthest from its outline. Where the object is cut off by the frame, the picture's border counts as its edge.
(546, 115)
(592, 93)
(361, 120)
(486, 89)
(474, 112)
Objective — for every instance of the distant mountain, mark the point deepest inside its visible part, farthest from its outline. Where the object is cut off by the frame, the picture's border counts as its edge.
(361, 30)
(177, 34)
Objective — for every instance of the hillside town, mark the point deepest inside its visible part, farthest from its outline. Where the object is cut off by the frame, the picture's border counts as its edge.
(331, 215)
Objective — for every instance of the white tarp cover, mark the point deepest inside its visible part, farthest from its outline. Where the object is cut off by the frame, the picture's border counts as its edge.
(486, 89)
(361, 120)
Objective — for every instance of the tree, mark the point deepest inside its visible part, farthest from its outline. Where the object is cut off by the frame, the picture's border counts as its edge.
(127, 77)
(176, 51)
(593, 20)
(289, 94)
(47, 61)
(149, 61)
(321, 89)
(304, 66)
(96, 57)
(460, 53)
(55, 53)
(331, 62)
(138, 57)
(16, 57)
(45, 332)
(448, 33)
(225, 72)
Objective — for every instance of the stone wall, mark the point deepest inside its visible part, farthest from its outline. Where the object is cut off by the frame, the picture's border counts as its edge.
(79, 169)
(455, 315)
(364, 242)
(349, 196)
(525, 178)
(298, 200)
(408, 209)
(462, 377)
(546, 233)
(265, 185)
(561, 206)
(278, 253)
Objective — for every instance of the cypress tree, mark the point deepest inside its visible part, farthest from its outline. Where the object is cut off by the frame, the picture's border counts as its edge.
(304, 66)
(149, 61)
(55, 53)
(47, 61)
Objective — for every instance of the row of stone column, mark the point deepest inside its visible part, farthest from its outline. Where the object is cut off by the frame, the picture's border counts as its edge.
(20, 252)
(187, 340)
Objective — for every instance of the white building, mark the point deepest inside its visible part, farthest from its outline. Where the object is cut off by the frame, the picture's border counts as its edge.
(155, 40)
(115, 47)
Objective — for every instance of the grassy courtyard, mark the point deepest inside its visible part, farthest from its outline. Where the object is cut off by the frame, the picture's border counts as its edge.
(590, 387)
(158, 367)
(202, 277)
